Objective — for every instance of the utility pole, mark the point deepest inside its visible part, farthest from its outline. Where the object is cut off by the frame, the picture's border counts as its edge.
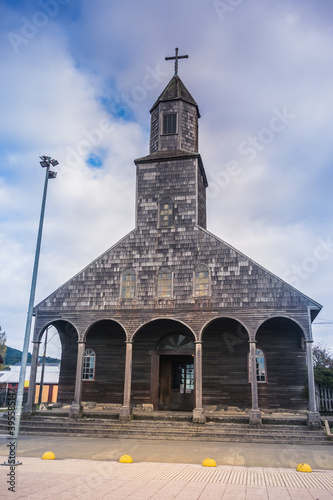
(14, 429)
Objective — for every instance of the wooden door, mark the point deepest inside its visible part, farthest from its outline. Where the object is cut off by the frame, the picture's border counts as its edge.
(176, 383)
(165, 383)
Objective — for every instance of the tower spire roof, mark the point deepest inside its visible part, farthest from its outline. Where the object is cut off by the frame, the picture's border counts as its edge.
(176, 90)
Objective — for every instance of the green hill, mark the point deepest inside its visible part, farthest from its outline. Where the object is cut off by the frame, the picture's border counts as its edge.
(14, 356)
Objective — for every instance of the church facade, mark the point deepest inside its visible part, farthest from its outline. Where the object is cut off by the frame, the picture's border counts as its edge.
(171, 315)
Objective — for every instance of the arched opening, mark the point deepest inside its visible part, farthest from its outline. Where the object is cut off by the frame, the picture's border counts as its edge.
(48, 369)
(163, 366)
(282, 341)
(106, 340)
(225, 350)
(68, 338)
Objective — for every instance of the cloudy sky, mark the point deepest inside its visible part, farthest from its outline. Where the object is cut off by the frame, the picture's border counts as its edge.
(78, 78)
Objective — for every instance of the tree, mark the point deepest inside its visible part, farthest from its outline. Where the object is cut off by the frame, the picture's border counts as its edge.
(323, 365)
(3, 348)
(322, 357)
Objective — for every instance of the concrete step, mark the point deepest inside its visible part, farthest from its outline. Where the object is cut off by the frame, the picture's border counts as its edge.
(162, 424)
(230, 437)
(208, 428)
(169, 430)
(178, 434)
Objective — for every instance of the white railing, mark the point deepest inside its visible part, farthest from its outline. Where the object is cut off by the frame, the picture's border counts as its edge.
(324, 398)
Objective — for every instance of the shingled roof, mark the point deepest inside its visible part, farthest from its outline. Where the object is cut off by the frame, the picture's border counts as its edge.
(176, 90)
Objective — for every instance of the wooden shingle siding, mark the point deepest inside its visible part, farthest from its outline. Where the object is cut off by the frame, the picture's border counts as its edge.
(107, 339)
(236, 281)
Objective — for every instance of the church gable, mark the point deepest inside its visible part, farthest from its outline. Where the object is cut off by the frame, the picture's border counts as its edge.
(127, 277)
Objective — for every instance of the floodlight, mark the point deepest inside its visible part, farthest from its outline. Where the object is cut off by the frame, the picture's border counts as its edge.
(54, 163)
(44, 163)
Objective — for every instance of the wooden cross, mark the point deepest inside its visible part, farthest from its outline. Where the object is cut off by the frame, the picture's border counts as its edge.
(176, 57)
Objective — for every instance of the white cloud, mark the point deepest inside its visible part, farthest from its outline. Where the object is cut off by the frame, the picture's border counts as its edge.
(64, 82)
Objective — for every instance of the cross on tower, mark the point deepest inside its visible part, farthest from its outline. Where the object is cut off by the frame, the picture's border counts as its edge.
(176, 57)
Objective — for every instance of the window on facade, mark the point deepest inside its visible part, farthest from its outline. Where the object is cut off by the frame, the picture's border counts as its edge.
(164, 283)
(170, 123)
(166, 212)
(89, 365)
(260, 366)
(128, 284)
(201, 281)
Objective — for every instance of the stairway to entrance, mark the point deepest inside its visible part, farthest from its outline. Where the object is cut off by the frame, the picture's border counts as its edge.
(178, 428)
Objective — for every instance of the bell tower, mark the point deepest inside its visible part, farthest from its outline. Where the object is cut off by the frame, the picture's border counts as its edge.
(171, 180)
(174, 117)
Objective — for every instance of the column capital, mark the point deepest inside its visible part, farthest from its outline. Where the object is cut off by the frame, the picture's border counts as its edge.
(252, 341)
(198, 342)
(81, 342)
(36, 341)
(128, 341)
(308, 341)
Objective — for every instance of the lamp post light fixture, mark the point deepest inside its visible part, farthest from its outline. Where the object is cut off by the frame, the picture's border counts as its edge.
(14, 429)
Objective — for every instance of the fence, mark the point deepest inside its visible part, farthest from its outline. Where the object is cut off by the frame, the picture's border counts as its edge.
(324, 398)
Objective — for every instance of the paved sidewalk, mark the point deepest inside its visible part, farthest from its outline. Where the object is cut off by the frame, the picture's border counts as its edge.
(86, 479)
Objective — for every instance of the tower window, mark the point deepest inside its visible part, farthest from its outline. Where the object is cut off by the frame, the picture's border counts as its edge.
(89, 365)
(164, 283)
(128, 284)
(260, 366)
(201, 281)
(170, 123)
(166, 212)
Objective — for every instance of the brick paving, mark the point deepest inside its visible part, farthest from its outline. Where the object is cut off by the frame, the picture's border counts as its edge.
(86, 479)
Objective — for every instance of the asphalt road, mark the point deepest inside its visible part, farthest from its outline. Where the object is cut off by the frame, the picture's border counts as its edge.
(167, 451)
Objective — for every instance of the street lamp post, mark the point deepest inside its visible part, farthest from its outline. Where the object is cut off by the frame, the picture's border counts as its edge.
(14, 430)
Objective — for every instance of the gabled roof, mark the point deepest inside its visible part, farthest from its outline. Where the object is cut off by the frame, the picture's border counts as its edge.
(265, 281)
(176, 90)
(236, 280)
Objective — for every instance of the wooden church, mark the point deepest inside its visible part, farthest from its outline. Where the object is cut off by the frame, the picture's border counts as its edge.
(173, 316)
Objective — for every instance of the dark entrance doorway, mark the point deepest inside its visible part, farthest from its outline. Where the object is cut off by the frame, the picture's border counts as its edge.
(172, 373)
(176, 383)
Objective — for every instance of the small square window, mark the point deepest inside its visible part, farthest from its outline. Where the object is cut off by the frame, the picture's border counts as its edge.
(170, 123)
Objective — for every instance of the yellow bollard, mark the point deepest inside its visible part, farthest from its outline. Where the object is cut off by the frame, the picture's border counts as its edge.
(209, 462)
(48, 455)
(125, 459)
(303, 468)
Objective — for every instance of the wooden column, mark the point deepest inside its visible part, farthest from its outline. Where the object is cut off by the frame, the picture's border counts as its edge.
(75, 408)
(126, 410)
(314, 419)
(28, 407)
(154, 379)
(198, 412)
(255, 413)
